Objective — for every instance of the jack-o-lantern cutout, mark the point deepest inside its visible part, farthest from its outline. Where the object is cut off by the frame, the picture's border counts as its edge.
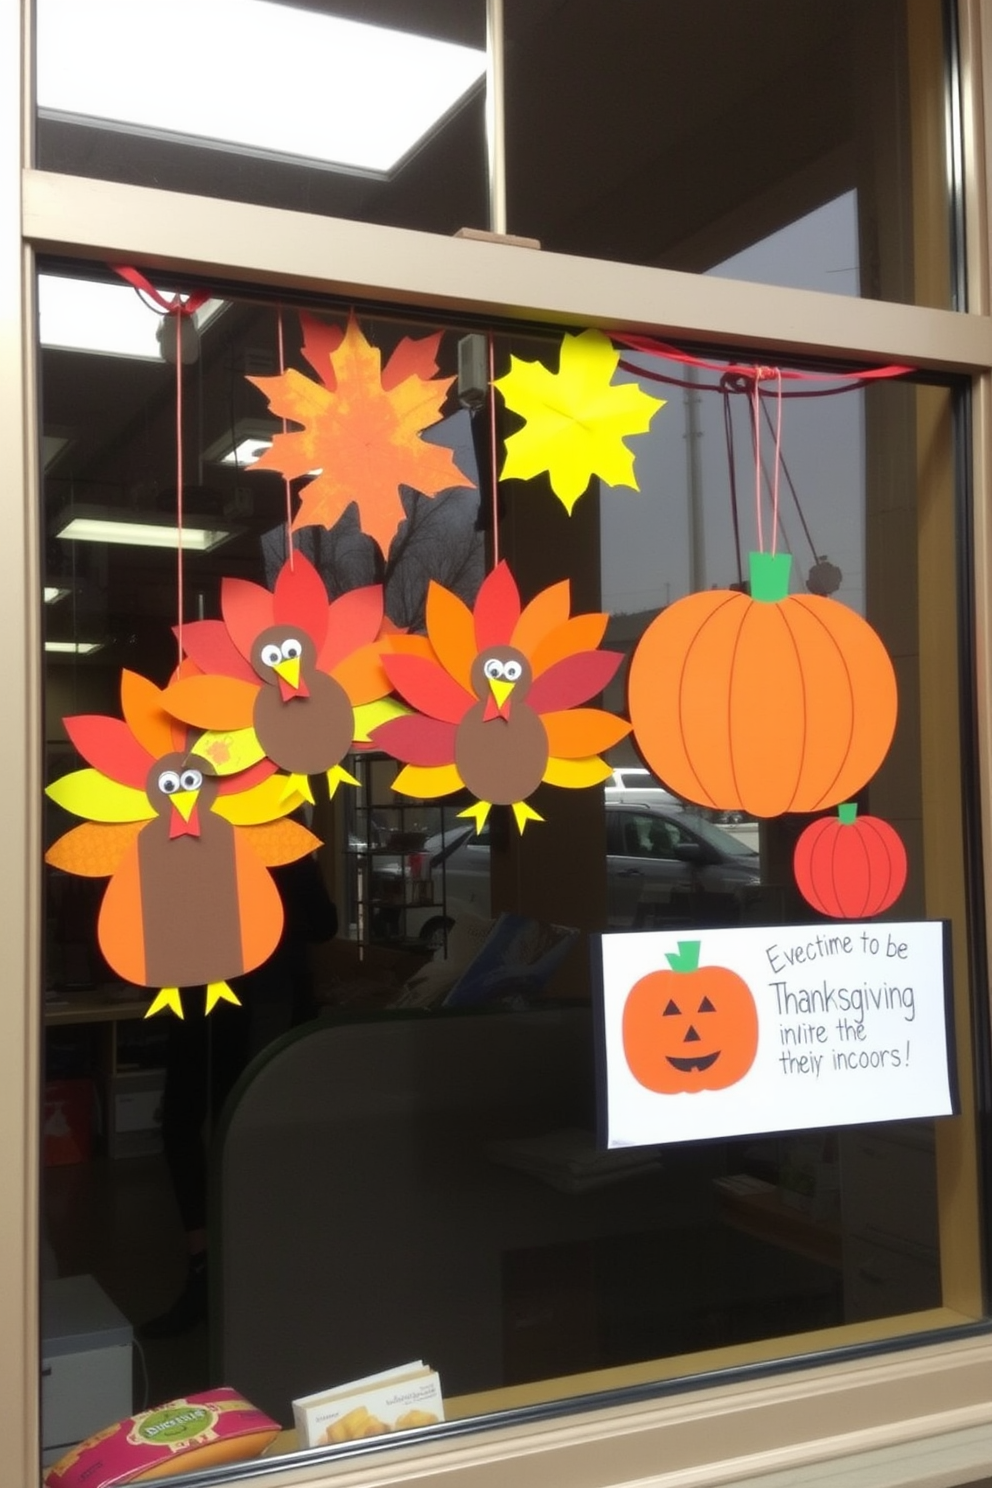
(764, 703)
(848, 866)
(691, 1028)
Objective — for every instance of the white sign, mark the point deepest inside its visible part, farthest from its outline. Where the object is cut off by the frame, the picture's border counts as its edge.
(717, 1033)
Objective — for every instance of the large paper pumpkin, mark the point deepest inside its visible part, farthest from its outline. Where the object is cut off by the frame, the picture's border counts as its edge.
(190, 901)
(848, 866)
(690, 1028)
(764, 703)
(496, 691)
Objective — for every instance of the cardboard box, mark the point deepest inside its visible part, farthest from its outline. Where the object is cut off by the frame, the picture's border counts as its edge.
(134, 1120)
(400, 1399)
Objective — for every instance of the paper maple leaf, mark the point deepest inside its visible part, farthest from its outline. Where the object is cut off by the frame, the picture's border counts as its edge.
(576, 419)
(361, 429)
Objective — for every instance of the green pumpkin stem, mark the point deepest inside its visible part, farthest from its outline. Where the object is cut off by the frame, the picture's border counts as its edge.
(687, 957)
(847, 813)
(769, 576)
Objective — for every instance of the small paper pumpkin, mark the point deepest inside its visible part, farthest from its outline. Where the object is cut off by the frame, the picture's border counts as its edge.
(190, 900)
(286, 675)
(764, 703)
(496, 691)
(689, 1028)
(850, 867)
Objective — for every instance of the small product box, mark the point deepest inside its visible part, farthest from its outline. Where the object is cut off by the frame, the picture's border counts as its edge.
(399, 1399)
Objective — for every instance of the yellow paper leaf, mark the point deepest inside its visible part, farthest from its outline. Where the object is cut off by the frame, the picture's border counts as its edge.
(362, 437)
(97, 797)
(577, 419)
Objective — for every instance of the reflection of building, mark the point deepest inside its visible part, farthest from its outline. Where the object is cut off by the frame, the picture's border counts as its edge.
(646, 146)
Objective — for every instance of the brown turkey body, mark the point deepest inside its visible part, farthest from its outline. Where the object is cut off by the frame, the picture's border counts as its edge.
(306, 735)
(501, 760)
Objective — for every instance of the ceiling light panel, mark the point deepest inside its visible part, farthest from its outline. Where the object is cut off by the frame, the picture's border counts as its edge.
(282, 81)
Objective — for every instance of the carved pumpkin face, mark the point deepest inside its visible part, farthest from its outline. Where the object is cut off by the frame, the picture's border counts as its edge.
(848, 866)
(765, 703)
(690, 1028)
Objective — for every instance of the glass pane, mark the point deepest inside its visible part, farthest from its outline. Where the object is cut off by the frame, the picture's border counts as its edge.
(389, 1151)
(364, 110)
(645, 133)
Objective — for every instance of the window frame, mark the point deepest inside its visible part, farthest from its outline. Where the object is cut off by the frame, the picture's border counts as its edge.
(781, 1415)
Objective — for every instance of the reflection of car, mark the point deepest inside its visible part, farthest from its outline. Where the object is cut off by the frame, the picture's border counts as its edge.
(653, 852)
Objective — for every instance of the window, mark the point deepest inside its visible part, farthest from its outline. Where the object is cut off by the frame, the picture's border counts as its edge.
(910, 525)
(367, 1056)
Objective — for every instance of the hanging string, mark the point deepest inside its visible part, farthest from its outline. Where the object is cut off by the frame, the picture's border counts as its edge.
(792, 490)
(728, 433)
(777, 454)
(756, 442)
(492, 447)
(290, 550)
(180, 598)
(178, 308)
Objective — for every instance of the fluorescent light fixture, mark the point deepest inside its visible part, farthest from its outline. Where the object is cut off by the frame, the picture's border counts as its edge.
(79, 315)
(81, 524)
(283, 81)
(246, 452)
(72, 648)
(54, 594)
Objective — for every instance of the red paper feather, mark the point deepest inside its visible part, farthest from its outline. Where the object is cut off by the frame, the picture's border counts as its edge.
(247, 610)
(427, 687)
(208, 643)
(497, 608)
(110, 747)
(301, 599)
(573, 680)
(417, 741)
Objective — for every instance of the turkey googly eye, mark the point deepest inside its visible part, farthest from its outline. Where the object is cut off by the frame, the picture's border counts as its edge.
(271, 655)
(168, 782)
(291, 649)
(493, 669)
(512, 671)
(191, 780)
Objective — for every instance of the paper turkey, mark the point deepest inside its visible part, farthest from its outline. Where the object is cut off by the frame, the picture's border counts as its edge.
(191, 901)
(496, 692)
(286, 675)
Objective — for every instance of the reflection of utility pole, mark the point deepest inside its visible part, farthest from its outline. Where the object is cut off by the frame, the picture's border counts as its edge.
(694, 485)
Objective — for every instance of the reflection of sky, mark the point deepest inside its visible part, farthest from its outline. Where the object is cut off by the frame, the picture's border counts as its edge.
(653, 552)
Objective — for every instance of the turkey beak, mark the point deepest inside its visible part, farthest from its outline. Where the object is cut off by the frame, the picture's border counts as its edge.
(288, 671)
(184, 801)
(501, 691)
(185, 822)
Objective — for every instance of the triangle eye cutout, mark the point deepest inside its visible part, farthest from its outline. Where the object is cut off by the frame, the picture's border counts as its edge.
(706, 1006)
(671, 1010)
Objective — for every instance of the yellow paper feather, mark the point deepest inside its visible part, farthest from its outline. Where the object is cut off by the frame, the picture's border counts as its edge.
(264, 802)
(93, 795)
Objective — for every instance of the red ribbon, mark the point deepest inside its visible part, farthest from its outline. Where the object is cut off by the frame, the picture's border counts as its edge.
(178, 307)
(754, 373)
(175, 306)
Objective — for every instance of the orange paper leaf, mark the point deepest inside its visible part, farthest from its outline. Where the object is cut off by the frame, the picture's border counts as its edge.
(363, 434)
